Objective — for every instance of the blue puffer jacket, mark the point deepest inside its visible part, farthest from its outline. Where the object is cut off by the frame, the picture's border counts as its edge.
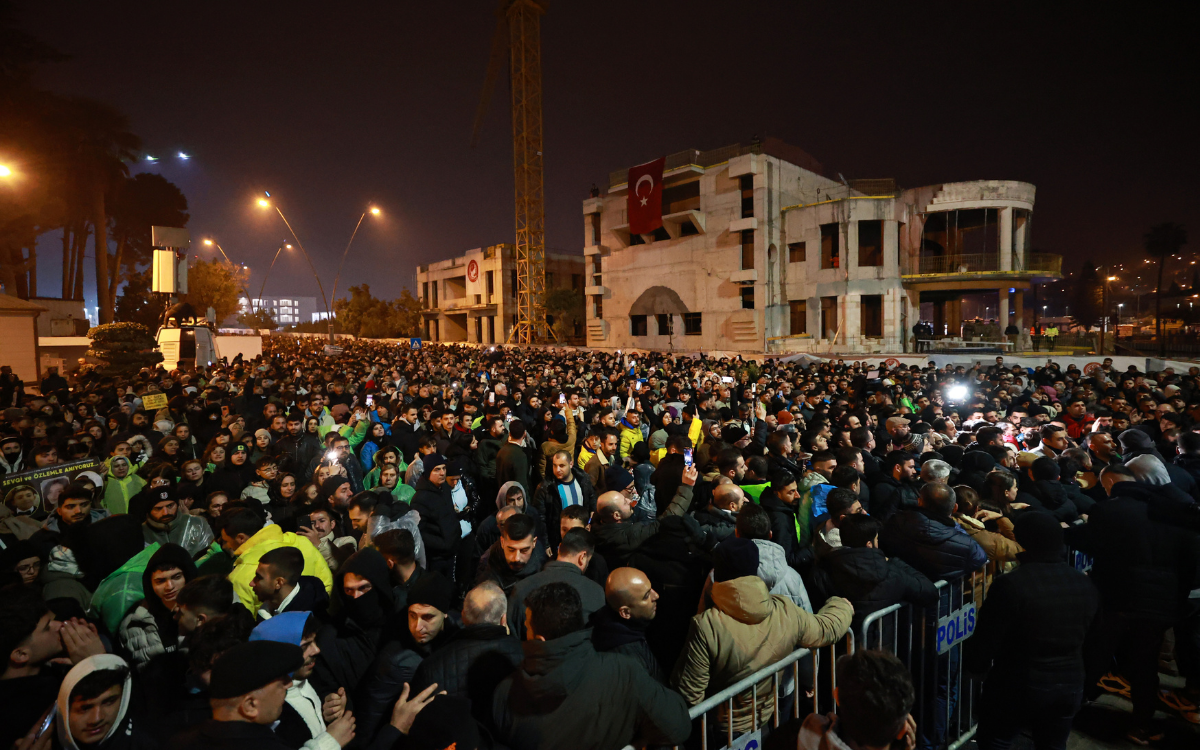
(934, 545)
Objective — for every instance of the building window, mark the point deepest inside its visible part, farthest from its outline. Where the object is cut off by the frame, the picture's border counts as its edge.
(799, 314)
(549, 280)
(683, 197)
(598, 306)
(666, 324)
(512, 281)
(870, 243)
(577, 282)
(747, 186)
(594, 225)
(747, 249)
(830, 246)
(491, 284)
(748, 297)
(637, 325)
(796, 252)
(691, 324)
(829, 317)
(872, 315)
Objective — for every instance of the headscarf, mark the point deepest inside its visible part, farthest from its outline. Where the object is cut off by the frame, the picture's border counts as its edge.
(77, 673)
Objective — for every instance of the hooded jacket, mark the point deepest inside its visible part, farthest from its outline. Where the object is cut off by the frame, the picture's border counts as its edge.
(304, 720)
(118, 492)
(266, 539)
(1050, 496)
(565, 694)
(150, 630)
(934, 545)
(746, 630)
(121, 734)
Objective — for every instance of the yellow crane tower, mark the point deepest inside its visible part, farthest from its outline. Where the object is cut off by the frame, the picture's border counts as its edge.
(518, 28)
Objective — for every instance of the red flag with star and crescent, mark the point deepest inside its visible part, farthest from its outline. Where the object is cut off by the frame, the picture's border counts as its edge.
(645, 196)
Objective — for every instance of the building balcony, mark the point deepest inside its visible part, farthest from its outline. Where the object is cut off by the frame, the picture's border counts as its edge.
(593, 291)
(1031, 265)
(595, 250)
(742, 225)
(744, 276)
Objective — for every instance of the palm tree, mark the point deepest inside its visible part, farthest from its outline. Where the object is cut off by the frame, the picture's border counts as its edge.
(1162, 241)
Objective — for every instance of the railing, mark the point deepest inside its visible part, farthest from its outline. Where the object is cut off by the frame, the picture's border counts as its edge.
(1048, 264)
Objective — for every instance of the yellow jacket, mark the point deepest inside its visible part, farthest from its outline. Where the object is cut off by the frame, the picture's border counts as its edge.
(269, 538)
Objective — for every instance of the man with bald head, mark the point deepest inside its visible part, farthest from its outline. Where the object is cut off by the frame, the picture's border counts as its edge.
(620, 626)
(618, 536)
(720, 517)
(479, 656)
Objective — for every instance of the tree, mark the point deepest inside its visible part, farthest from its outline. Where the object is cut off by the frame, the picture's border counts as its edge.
(1162, 241)
(565, 306)
(123, 348)
(137, 304)
(139, 203)
(258, 320)
(216, 284)
(365, 316)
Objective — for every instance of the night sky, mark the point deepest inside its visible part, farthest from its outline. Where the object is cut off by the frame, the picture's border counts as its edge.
(334, 105)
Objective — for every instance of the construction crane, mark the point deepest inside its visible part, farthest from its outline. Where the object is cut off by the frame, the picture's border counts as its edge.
(518, 32)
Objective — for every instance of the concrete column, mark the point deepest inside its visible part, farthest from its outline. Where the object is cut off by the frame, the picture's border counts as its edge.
(852, 328)
(891, 245)
(1003, 311)
(1006, 247)
(954, 317)
(1019, 308)
(850, 257)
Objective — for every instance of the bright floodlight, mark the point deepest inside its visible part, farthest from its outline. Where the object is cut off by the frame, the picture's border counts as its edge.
(375, 210)
(288, 246)
(183, 155)
(263, 202)
(957, 393)
(151, 158)
(208, 242)
(5, 171)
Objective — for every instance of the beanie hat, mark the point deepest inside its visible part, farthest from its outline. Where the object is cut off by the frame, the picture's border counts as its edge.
(733, 434)
(249, 666)
(784, 417)
(432, 589)
(330, 485)
(617, 478)
(432, 461)
(735, 558)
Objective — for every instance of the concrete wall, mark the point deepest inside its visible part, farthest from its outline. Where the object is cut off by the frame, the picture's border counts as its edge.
(63, 317)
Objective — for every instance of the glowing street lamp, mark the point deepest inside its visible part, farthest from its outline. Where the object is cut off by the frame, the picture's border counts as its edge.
(264, 203)
(374, 211)
(208, 242)
(5, 171)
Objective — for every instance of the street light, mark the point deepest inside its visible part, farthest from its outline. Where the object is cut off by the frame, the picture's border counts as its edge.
(213, 243)
(267, 275)
(5, 171)
(264, 203)
(374, 211)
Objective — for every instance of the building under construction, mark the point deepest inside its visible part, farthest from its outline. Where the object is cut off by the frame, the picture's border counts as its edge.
(473, 298)
(761, 249)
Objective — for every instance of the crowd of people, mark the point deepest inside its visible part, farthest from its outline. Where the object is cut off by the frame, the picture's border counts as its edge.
(548, 548)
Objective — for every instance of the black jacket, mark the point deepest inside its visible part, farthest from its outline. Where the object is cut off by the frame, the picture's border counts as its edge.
(228, 735)
(470, 665)
(889, 496)
(783, 531)
(439, 521)
(870, 581)
(617, 541)
(547, 502)
(296, 453)
(405, 437)
(719, 523)
(1050, 496)
(613, 634)
(565, 694)
(1142, 567)
(493, 567)
(396, 664)
(935, 546)
(1031, 628)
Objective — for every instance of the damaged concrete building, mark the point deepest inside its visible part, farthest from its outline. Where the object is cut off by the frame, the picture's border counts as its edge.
(761, 250)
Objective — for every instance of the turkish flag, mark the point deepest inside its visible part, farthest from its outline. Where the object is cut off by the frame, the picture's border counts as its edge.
(644, 199)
